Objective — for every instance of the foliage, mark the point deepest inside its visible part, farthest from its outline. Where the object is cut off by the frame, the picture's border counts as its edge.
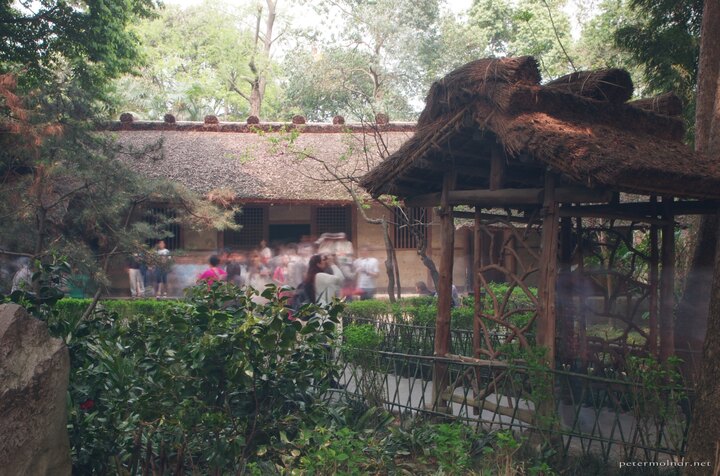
(89, 38)
(658, 398)
(377, 68)
(537, 27)
(212, 379)
(196, 63)
(663, 38)
(367, 309)
(359, 338)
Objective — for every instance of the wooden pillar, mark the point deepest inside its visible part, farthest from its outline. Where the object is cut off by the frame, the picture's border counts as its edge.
(667, 281)
(653, 288)
(548, 271)
(566, 294)
(444, 291)
(581, 318)
(477, 286)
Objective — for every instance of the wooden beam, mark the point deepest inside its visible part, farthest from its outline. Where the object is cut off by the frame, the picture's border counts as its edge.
(509, 197)
(643, 209)
(548, 272)
(490, 217)
(667, 282)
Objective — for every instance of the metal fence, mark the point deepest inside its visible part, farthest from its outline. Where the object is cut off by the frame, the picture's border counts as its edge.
(612, 418)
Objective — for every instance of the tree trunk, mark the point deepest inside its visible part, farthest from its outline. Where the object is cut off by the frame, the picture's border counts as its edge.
(389, 261)
(259, 81)
(704, 438)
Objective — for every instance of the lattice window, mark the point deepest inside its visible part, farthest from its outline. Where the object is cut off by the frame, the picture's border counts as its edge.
(164, 218)
(333, 220)
(411, 226)
(252, 223)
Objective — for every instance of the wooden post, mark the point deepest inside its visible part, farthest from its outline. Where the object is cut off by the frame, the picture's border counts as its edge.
(548, 272)
(444, 291)
(497, 168)
(566, 294)
(667, 282)
(478, 304)
(477, 287)
(653, 288)
(581, 318)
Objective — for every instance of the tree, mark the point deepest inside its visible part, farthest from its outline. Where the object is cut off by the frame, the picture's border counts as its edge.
(372, 66)
(89, 38)
(704, 438)
(211, 58)
(62, 190)
(536, 27)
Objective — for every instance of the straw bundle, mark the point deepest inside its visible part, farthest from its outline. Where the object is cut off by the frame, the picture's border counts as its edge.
(472, 80)
(667, 104)
(612, 85)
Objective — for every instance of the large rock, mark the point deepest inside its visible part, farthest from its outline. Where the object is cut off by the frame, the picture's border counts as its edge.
(34, 371)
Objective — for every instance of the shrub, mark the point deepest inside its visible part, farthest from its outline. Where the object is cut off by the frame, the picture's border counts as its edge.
(208, 380)
(361, 337)
(369, 309)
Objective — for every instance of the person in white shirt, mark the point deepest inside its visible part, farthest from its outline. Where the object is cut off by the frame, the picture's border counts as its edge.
(324, 279)
(367, 270)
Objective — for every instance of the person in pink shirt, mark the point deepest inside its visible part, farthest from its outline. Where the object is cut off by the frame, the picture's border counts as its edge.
(213, 273)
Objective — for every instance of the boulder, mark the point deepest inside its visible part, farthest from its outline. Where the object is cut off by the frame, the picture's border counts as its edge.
(34, 372)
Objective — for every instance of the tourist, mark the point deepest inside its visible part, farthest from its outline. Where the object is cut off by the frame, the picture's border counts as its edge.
(258, 275)
(162, 268)
(422, 289)
(236, 268)
(213, 273)
(22, 280)
(324, 279)
(137, 283)
(366, 270)
(281, 273)
(266, 253)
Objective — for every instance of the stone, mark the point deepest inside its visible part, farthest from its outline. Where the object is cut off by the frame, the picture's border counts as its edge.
(34, 373)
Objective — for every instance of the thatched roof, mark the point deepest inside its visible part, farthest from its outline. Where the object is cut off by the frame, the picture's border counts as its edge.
(579, 125)
(265, 163)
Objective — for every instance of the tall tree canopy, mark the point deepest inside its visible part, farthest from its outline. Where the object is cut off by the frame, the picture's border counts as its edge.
(62, 190)
(87, 37)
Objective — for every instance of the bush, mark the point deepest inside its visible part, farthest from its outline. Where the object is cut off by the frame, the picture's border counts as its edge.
(360, 338)
(369, 309)
(208, 380)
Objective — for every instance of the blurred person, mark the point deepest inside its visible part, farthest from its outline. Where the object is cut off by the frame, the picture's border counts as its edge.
(266, 253)
(422, 289)
(236, 268)
(22, 279)
(282, 271)
(213, 273)
(258, 275)
(324, 279)
(366, 270)
(162, 268)
(137, 282)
